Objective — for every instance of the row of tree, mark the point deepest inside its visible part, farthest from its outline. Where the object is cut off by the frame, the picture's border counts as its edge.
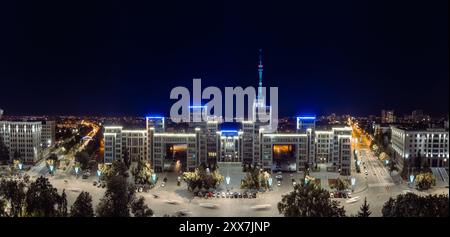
(309, 200)
(41, 199)
(203, 178)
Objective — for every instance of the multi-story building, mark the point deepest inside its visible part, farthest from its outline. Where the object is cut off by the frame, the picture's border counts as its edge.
(387, 116)
(23, 139)
(120, 142)
(48, 133)
(430, 144)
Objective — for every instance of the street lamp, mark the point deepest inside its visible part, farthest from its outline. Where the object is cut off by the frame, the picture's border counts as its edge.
(51, 167)
(99, 173)
(20, 166)
(411, 180)
(77, 169)
(270, 182)
(154, 178)
(353, 181)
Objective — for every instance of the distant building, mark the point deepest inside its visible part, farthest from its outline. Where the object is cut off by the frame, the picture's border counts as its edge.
(387, 116)
(431, 144)
(48, 133)
(23, 138)
(1, 113)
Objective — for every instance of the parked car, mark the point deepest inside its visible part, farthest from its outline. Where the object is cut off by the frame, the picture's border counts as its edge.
(240, 195)
(94, 183)
(278, 183)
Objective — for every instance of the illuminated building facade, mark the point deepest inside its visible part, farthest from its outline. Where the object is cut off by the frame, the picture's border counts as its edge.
(430, 144)
(205, 140)
(23, 138)
(48, 133)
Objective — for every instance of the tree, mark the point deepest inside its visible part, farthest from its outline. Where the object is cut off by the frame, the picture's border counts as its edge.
(308, 200)
(426, 167)
(383, 156)
(126, 157)
(202, 179)
(118, 168)
(142, 173)
(4, 153)
(83, 158)
(364, 211)
(42, 199)
(82, 207)
(140, 209)
(425, 180)
(340, 185)
(13, 192)
(17, 156)
(3, 212)
(412, 205)
(418, 161)
(255, 179)
(392, 166)
(62, 204)
(118, 197)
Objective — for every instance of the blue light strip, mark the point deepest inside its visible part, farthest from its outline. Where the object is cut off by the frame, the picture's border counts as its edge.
(307, 117)
(229, 131)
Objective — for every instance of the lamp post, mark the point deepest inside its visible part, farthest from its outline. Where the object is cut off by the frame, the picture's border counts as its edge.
(411, 180)
(353, 182)
(154, 178)
(77, 169)
(270, 182)
(227, 180)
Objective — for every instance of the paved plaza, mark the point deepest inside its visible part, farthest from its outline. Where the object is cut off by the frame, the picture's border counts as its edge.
(377, 187)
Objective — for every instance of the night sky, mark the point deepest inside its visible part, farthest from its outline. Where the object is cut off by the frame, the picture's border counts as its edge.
(118, 58)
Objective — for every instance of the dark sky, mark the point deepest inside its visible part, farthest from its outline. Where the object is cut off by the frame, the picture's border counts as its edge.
(120, 58)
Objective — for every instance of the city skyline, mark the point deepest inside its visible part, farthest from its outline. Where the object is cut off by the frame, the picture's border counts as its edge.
(321, 61)
(245, 111)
